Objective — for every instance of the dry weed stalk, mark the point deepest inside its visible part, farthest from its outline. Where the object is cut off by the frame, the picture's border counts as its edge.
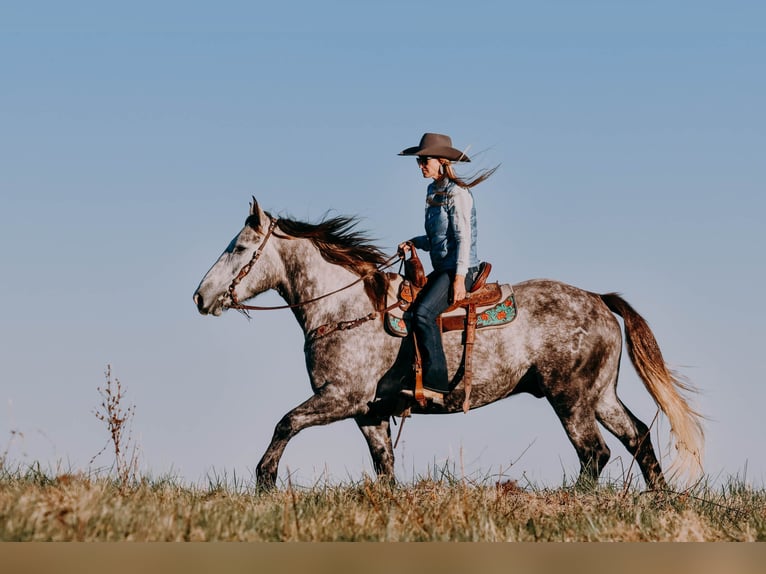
(118, 420)
(4, 456)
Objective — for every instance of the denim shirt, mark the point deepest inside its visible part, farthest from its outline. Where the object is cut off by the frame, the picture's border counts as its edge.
(451, 228)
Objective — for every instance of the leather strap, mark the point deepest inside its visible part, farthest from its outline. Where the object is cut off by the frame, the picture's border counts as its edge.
(420, 396)
(470, 336)
(327, 328)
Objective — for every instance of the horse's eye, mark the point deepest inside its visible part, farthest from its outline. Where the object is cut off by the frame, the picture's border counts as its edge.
(239, 248)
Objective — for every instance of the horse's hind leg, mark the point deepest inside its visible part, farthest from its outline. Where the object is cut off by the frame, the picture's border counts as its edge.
(633, 433)
(580, 425)
(377, 432)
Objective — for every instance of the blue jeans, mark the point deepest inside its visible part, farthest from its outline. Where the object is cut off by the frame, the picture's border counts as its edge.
(431, 302)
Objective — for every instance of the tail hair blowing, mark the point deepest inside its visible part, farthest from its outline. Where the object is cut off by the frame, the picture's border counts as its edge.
(665, 387)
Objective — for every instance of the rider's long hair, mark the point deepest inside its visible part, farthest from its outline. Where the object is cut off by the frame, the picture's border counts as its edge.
(472, 181)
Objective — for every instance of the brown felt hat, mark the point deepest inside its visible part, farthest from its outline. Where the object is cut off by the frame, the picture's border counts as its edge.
(436, 145)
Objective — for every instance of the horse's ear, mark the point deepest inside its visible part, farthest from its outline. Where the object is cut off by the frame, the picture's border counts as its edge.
(256, 214)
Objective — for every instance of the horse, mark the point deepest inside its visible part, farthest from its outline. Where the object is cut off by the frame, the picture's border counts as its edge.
(564, 345)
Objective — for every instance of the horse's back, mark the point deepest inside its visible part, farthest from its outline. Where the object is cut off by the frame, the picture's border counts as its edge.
(549, 303)
(565, 327)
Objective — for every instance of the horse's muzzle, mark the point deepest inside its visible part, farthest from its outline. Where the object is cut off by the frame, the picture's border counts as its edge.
(200, 303)
(214, 308)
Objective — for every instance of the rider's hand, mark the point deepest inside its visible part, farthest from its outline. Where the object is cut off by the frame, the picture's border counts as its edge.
(458, 288)
(404, 247)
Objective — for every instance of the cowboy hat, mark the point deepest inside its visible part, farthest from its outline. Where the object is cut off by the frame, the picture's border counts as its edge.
(436, 145)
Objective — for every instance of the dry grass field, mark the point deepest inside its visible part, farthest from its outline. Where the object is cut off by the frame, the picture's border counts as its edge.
(35, 506)
(121, 505)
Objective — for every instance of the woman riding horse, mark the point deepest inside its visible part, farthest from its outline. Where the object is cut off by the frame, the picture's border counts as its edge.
(450, 239)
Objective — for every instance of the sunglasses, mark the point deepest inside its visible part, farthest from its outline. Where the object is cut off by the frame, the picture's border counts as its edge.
(423, 159)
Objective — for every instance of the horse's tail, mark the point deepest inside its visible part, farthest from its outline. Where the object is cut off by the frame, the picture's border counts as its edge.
(663, 385)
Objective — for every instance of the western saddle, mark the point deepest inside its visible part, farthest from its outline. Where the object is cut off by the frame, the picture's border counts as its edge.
(480, 294)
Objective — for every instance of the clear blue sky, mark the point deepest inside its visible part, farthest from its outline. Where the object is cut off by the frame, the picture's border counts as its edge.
(631, 137)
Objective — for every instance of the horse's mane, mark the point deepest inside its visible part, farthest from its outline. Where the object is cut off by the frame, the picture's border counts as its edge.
(341, 243)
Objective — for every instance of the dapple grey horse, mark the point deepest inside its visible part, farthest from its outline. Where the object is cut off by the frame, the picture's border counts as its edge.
(564, 345)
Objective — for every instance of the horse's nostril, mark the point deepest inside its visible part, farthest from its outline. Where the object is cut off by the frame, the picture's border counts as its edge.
(198, 301)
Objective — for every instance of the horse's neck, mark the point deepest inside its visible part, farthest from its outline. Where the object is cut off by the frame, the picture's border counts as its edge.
(309, 276)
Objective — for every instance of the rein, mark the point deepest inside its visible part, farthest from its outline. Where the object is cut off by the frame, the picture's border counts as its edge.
(324, 329)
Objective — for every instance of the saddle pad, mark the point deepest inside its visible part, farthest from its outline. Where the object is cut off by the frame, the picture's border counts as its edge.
(487, 316)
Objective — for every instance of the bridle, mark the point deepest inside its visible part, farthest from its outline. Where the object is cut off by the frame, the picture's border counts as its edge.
(235, 304)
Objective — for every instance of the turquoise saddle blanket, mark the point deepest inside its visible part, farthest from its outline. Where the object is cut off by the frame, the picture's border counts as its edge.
(497, 315)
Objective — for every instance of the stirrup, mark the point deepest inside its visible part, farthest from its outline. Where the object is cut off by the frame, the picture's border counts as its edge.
(435, 397)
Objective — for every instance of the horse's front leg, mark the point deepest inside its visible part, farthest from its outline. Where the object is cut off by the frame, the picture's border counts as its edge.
(377, 432)
(322, 408)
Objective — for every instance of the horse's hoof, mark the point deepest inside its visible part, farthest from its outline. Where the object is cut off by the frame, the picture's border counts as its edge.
(265, 486)
(265, 481)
